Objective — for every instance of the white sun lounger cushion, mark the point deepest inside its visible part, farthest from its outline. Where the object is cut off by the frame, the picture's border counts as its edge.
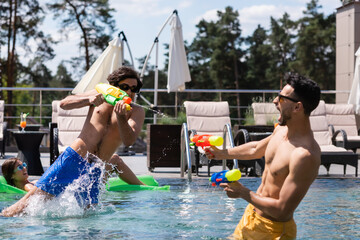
(264, 113)
(70, 124)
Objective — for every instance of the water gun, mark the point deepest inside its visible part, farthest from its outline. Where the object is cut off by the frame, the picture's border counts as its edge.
(113, 94)
(225, 176)
(206, 140)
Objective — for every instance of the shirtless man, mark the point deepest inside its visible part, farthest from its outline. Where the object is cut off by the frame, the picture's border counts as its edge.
(292, 160)
(105, 128)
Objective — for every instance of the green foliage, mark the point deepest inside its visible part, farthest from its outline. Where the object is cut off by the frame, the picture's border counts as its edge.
(19, 33)
(249, 113)
(315, 46)
(92, 19)
(259, 58)
(249, 116)
(215, 52)
(219, 56)
(179, 120)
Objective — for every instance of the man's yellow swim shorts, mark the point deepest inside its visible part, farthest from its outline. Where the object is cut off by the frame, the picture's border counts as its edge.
(254, 226)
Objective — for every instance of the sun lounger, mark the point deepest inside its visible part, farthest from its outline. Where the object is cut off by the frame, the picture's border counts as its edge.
(330, 154)
(206, 118)
(265, 113)
(342, 120)
(66, 129)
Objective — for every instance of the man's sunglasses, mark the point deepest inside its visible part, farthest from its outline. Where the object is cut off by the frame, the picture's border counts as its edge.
(20, 167)
(126, 87)
(286, 97)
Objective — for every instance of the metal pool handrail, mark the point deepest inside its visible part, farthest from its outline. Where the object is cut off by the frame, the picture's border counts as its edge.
(227, 129)
(185, 148)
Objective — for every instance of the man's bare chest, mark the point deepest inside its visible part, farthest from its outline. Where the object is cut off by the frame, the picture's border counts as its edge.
(277, 157)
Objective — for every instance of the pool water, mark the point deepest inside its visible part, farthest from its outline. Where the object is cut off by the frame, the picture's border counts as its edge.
(193, 210)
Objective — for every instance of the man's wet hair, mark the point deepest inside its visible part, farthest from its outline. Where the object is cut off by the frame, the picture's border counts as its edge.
(123, 73)
(306, 91)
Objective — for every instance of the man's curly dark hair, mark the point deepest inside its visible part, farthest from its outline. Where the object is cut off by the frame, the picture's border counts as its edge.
(123, 73)
(306, 90)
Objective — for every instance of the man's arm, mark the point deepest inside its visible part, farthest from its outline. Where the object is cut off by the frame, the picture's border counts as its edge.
(129, 129)
(81, 100)
(20, 205)
(247, 151)
(303, 169)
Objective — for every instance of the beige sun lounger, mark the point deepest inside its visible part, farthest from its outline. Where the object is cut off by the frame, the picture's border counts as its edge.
(330, 154)
(65, 128)
(342, 117)
(209, 118)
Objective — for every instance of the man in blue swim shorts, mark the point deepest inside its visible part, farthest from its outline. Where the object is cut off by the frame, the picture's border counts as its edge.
(71, 166)
(105, 128)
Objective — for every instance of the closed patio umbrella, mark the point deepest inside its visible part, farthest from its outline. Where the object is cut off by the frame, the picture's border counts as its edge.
(110, 60)
(354, 97)
(178, 72)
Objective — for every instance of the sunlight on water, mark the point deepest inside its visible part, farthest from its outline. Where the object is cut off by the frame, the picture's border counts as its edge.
(193, 210)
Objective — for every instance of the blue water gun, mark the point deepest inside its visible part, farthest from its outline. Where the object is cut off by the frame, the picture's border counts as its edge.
(225, 176)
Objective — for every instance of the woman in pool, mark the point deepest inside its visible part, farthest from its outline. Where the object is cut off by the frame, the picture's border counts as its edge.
(15, 173)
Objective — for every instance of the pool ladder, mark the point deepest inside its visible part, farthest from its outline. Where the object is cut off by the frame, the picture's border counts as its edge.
(185, 149)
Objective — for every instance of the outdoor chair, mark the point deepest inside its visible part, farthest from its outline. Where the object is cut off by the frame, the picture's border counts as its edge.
(330, 154)
(205, 118)
(342, 120)
(3, 129)
(265, 113)
(65, 127)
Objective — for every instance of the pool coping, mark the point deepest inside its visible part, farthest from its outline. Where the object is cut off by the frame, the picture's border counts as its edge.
(138, 164)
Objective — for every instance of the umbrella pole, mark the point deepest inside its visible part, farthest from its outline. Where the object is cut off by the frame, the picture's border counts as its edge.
(156, 41)
(124, 39)
(156, 85)
(176, 105)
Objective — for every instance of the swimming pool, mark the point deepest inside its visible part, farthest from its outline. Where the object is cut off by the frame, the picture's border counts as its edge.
(197, 210)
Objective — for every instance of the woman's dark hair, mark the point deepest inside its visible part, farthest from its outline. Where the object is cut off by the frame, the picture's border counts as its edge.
(123, 73)
(8, 168)
(306, 91)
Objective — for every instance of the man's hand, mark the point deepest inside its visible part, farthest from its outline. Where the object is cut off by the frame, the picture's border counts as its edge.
(234, 189)
(120, 109)
(96, 100)
(215, 153)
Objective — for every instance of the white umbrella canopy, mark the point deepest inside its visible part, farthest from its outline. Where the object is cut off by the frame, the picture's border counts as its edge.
(354, 97)
(109, 61)
(178, 72)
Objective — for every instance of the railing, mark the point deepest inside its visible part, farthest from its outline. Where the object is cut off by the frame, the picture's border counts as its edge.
(221, 94)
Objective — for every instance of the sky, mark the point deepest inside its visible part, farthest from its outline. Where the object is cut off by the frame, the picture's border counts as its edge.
(141, 21)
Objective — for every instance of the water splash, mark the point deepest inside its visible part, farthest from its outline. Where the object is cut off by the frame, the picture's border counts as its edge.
(82, 197)
(160, 114)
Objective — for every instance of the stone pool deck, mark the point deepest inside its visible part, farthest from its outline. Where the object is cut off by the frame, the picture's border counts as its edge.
(138, 163)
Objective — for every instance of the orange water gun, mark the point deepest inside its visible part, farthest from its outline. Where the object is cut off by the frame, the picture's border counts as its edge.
(113, 94)
(206, 140)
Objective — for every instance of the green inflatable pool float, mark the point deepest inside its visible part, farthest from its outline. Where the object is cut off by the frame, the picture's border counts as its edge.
(114, 184)
(6, 188)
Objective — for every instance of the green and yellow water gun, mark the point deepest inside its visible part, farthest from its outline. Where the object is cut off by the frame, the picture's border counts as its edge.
(113, 94)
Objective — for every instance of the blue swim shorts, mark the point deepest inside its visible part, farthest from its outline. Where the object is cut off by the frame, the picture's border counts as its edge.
(67, 168)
